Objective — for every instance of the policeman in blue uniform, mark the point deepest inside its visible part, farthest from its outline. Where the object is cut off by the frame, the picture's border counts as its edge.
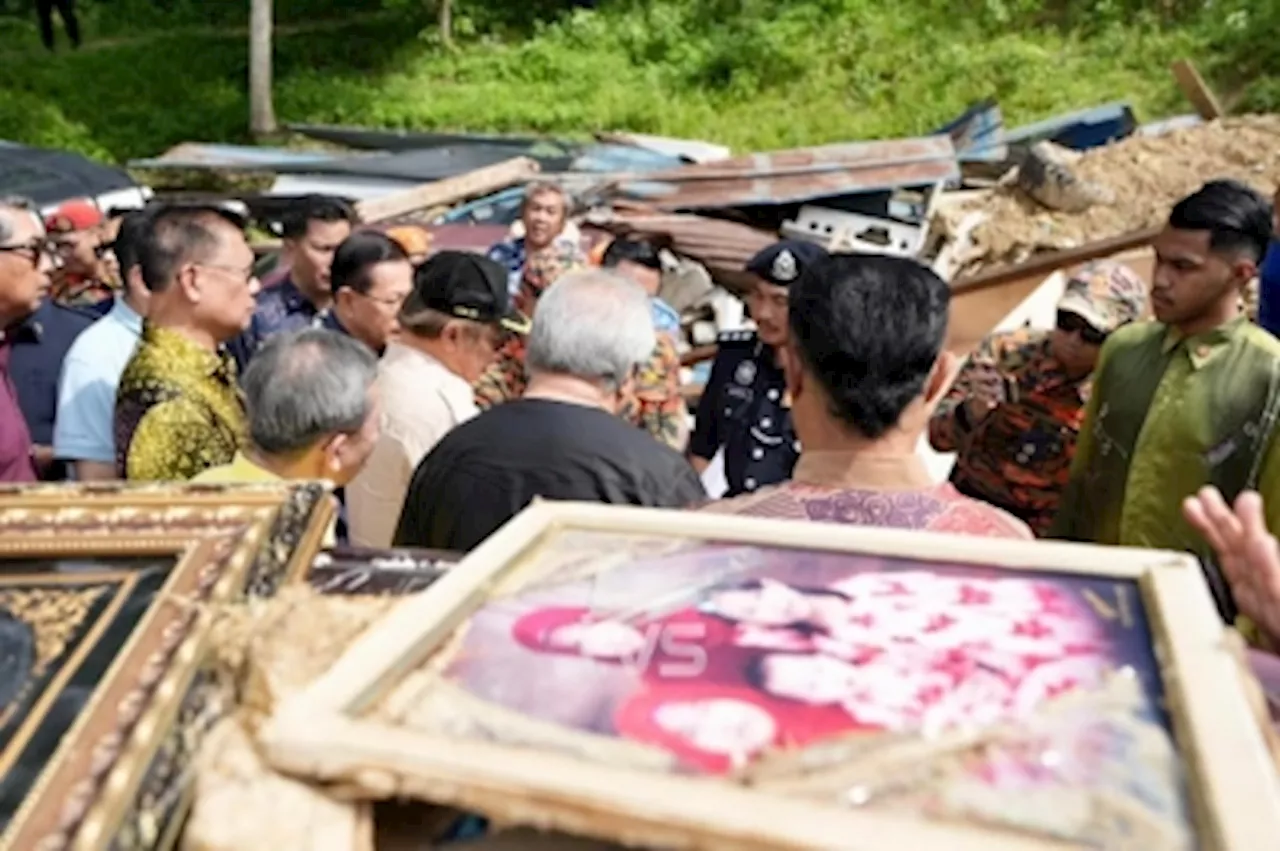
(745, 410)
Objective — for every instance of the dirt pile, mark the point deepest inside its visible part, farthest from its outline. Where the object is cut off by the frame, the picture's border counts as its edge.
(1146, 176)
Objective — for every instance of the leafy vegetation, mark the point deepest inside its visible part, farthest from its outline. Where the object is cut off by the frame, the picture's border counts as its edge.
(754, 74)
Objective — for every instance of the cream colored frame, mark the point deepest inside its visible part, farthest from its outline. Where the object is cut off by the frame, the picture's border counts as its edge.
(224, 528)
(320, 733)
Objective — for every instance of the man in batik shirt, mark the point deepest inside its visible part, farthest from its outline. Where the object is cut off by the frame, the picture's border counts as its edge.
(884, 320)
(1013, 415)
(179, 410)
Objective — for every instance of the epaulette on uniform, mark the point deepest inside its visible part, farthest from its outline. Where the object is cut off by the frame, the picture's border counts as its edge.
(731, 339)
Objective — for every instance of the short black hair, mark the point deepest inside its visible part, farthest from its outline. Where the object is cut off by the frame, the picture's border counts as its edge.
(180, 234)
(638, 251)
(1238, 218)
(359, 253)
(869, 329)
(132, 233)
(314, 208)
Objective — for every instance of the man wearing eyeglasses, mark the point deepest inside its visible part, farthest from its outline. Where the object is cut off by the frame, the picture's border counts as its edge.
(26, 259)
(179, 409)
(371, 277)
(1013, 415)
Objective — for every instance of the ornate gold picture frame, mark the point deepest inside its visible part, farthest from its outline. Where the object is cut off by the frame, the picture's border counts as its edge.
(101, 613)
(540, 682)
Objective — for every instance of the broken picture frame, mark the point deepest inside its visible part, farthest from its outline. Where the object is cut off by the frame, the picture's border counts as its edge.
(675, 679)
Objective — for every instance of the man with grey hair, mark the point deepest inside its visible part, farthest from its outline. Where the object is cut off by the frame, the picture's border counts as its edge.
(26, 259)
(313, 409)
(562, 439)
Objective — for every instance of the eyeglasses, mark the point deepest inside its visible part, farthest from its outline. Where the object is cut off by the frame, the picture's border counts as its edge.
(1071, 323)
(244, 276)
(34, 250)
(392, 303)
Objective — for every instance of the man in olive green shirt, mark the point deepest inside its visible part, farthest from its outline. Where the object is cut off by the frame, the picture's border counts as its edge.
(1189, 400)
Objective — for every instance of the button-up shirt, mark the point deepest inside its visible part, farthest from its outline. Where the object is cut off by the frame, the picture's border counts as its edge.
(15, 441)
(422, 402)
(1214, 407)
(280, 308)
(867, 490)
(87, 390)
(1019, 455)
(178, 409)
(40, 346)
(745, 410)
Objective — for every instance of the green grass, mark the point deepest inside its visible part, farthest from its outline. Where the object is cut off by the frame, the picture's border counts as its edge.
(747, 73)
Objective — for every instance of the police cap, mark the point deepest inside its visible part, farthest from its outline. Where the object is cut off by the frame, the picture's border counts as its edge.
(782, 263)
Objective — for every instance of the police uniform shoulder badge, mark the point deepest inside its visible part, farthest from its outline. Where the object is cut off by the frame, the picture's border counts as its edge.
(784, 267)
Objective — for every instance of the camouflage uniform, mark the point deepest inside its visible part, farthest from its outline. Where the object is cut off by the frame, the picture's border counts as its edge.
(655, 404)
(1018, 457)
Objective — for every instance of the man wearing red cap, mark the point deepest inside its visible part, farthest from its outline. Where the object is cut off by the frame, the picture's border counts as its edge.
(75, 227)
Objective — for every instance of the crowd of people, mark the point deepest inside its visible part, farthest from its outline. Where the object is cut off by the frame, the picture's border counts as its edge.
(441, 394)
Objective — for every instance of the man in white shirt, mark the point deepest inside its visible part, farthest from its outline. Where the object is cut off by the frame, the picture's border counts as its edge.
(83, 428)
(451, 327)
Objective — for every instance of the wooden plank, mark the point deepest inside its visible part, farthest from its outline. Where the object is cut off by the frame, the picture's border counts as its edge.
(1197, 90)
(1050, 262)
(451, 190)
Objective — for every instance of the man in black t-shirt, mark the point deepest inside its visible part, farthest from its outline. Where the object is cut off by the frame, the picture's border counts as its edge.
(562, 439)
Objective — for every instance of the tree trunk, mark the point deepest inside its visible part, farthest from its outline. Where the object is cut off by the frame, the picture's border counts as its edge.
(262, 113)
(446, 22)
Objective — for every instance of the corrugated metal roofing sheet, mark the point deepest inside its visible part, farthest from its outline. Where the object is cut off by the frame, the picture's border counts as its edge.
(722, 246)
(802, 174)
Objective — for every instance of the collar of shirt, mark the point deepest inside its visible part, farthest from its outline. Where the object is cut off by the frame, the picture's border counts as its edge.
(183, 353)
(1203, 347)
(292, 298)
(849, 470)
(242, 469)
(29, 330)
(126, 316)
(401, 353)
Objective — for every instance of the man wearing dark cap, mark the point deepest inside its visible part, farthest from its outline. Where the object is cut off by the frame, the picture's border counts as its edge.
(451, 327)
(745, 411)
(1013, 414)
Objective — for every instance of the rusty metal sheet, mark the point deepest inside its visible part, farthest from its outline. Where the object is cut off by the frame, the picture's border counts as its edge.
(724, 247)
(802, 174)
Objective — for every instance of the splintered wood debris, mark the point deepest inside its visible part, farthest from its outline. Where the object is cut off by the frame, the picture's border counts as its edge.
(1145, 177)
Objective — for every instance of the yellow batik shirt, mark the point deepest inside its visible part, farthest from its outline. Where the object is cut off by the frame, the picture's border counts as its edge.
(178, 409)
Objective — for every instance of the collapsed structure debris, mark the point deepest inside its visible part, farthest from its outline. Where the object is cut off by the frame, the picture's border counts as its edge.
(1143, 174)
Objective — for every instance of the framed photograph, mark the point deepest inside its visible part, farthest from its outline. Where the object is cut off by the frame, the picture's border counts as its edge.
(102, 637)
(675, 679)
(392, 572)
